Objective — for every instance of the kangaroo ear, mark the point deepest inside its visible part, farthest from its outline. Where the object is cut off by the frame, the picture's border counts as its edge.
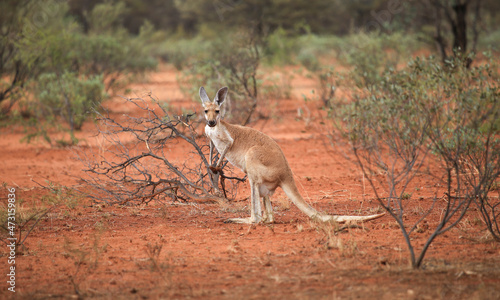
(221, 95)
(203, 95)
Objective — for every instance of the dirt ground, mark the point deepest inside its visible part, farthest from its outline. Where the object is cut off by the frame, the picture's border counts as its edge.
(185, 250)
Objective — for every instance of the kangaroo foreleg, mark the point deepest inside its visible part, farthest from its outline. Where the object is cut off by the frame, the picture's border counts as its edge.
(211, 152)
(222, 155)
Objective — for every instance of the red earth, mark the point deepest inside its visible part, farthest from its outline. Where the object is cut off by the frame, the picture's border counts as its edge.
(81, 249)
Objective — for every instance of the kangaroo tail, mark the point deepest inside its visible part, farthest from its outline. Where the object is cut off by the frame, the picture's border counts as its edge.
(290, 189)
(293, 194)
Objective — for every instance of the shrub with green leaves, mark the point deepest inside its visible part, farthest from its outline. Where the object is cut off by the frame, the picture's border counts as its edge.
(308, 60)
(371, 54)
(425, 114)
(57, 71)
(183, 52)
(280, 48)
(232, 61)
(109, 50)
(58, 44)
(68, 97)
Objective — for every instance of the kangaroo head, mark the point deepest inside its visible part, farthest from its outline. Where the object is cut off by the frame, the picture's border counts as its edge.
(212, 108)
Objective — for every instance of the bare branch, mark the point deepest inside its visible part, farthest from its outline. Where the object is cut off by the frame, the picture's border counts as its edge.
(132, 163)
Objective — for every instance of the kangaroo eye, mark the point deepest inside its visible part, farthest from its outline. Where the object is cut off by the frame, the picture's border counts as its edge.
(216, 111)
(206, 111)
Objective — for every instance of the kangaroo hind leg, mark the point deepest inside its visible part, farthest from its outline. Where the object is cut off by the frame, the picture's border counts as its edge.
(256, 211)
(268, 210)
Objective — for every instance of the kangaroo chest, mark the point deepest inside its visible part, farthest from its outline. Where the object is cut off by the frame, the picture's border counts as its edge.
(223, 142)
(220, 136)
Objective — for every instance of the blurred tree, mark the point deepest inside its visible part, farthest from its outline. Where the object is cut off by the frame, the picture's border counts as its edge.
(13, 71)
(299, 16)
(78, 8)
(455, 17)
(364, 13)
(265, 16)
(163, 14)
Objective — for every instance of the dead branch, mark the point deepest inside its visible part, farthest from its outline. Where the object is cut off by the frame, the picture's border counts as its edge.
(133, 163)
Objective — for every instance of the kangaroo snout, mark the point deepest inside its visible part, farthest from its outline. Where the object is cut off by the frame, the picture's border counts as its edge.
(212, 123)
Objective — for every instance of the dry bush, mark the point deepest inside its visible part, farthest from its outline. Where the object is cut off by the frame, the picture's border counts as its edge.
(133, 165)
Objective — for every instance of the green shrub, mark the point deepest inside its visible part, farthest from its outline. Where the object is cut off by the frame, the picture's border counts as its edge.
(321, 46)
(58, 44)
(420, 115)
(280, 48)
(490, 40)
(371, 54)
(308, 60)
(232, 61)
(112, 57)
(183, 52)
(56, 70)
(68, 97)
(109, 50)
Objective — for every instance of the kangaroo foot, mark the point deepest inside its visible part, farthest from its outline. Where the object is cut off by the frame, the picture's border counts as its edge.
(242, 221)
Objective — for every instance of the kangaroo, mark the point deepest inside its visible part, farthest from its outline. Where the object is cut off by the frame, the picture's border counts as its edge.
(262, 159)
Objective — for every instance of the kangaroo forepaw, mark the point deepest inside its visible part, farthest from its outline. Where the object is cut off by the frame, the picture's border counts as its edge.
(216, 170)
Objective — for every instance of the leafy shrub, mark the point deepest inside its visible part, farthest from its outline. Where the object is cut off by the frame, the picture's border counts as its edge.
(320, 47)
(183, 52)
(112, 57)
(21, 51)
(490, 41)
(371, 54)
(57, 44)
(279, 48)
(232, 61)
(367, 57)
(68, 97)
(308, 60)
(65, 68)
(422, 114)
(108, 49)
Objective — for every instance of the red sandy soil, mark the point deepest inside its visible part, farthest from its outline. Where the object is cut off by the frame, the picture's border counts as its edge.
(174, 250)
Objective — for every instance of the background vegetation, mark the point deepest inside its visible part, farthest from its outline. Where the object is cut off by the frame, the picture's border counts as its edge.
(218, 41)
